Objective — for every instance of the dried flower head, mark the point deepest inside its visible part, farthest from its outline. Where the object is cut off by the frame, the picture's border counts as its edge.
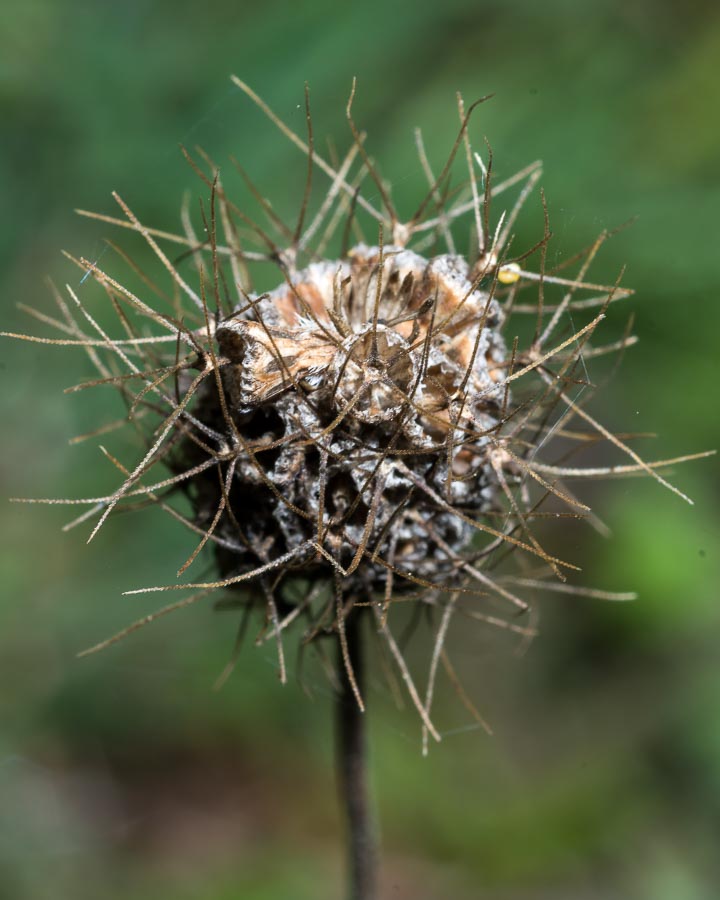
(366, 429)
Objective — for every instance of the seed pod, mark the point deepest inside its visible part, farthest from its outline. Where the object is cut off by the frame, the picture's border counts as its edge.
(363, 375)
(365, 430)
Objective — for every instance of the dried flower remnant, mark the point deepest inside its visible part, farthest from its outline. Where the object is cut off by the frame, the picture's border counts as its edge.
(367, 428)
(365, 433)
(383, 381)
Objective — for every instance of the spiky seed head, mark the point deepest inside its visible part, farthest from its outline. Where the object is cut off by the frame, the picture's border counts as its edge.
(364, 427)
(358, 374)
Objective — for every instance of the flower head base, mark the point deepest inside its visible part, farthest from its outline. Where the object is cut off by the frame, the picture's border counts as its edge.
(375, 368)
(365, 425)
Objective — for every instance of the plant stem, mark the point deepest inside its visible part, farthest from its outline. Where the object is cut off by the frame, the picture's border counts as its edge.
(351, 751)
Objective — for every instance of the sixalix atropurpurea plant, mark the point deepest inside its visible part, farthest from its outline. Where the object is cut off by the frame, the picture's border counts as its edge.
(366, 433)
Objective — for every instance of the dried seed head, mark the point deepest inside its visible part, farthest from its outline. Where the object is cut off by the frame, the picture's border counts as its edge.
(361, 375)
(364, 429)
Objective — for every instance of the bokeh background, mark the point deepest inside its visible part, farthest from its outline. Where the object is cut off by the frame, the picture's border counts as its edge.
(125, 774)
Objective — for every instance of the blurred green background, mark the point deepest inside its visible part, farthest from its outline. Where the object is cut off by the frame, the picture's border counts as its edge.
(125, 774)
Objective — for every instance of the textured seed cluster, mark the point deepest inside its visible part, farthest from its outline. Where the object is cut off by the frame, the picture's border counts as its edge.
(371, 429)
(353, 381)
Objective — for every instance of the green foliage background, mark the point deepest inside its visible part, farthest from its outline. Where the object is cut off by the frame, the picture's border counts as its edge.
(125, 774)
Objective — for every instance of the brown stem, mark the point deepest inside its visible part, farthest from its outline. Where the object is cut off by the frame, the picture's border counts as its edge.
(351, 750)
